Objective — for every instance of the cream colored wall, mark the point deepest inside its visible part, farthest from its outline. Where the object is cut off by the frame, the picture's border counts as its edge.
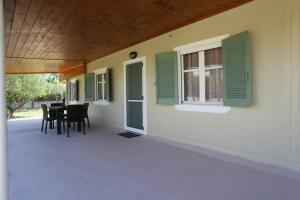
(269, 130)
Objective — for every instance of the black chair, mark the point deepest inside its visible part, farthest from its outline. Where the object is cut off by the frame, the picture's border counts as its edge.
(86, 113)
(52, 113)
(46, 117)
(75, 113)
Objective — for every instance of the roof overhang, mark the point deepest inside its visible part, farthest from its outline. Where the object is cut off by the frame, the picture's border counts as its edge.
(55, 36)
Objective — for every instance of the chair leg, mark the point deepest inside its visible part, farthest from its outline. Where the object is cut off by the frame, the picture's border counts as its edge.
(63, 121)
(42, 126)
(83, 126)
(46, 126)
(88, 122)
(68, 127)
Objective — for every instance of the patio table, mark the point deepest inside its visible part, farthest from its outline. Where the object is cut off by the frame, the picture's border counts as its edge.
(58, 110)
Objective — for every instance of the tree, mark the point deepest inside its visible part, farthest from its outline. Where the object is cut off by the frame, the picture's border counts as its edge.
(21, 89)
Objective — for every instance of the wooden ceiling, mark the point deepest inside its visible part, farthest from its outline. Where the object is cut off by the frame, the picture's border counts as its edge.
(54, 35)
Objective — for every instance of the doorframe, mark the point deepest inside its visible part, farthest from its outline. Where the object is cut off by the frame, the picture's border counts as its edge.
(125, 63)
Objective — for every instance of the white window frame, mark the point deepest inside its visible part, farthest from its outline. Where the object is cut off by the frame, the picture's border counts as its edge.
(102, 101)
(202, 105)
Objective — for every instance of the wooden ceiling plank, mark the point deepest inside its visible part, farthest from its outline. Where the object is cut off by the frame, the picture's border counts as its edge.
(88, 30)
(51, 22)
(72, 72)
(78, 47)
(17, 64)
(42, 28)
(57, 48)
(20, 14)
(42, 18)
(87, 14)
(46, 59)
(32, 65)
(128, 36)
(57, 31)
(69, 65)
(225, 7)
(90, 16)
(33, 13)
(9, 9)
(76, 43)
(56, 37)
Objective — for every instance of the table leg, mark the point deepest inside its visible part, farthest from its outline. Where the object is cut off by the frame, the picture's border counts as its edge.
(58, 123)
(79, 126)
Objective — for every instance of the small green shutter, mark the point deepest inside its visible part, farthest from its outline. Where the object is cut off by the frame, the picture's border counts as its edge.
(237, 70)
(167, 78)
(68, 91)
(109, 85)
(89, 86)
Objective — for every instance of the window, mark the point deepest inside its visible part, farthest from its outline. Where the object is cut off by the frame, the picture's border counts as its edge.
(74, 90)
(202, 77)
(101, 81)
(198, 84)
(101, 85)
(201, 72)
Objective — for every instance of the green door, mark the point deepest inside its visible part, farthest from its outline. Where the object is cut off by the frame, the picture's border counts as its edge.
(134, 96)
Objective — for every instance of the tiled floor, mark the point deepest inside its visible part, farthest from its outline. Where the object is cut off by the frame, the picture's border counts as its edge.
(103, 165)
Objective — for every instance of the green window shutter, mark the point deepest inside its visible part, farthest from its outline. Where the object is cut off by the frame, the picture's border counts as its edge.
(68, 91)
(89, 86)
(237, 70)
(77, 90)
(108, 86)
(167, 78)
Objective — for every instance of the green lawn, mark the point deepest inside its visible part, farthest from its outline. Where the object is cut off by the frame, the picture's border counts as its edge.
(27, 113)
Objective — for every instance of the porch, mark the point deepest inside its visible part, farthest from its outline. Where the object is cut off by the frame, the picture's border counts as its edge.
(103, 165)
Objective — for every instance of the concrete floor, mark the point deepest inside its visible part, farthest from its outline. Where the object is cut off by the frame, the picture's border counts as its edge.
(103, 165)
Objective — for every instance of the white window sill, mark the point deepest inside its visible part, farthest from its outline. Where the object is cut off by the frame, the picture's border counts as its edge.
(102, 103)
(203, 108)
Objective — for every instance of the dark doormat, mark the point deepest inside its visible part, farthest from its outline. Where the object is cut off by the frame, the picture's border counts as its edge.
(129, 134)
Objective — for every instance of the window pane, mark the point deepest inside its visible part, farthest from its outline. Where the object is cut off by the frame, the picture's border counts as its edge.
(73, 88)
(105, 85)
(213, 56)
(105, 95)
(214, 85)
(191, 61)
(191, 86)
(105, 77)
(99, 88)
(74, 92)
(99, 78)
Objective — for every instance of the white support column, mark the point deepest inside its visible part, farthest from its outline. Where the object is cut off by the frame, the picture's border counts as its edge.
(3, 120)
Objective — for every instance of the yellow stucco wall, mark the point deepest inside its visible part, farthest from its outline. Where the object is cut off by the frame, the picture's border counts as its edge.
(268, 131)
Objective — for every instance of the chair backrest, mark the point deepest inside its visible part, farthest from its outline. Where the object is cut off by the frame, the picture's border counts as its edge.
(86, 109)
(75, 113)
(45, 111)
(56, 104)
